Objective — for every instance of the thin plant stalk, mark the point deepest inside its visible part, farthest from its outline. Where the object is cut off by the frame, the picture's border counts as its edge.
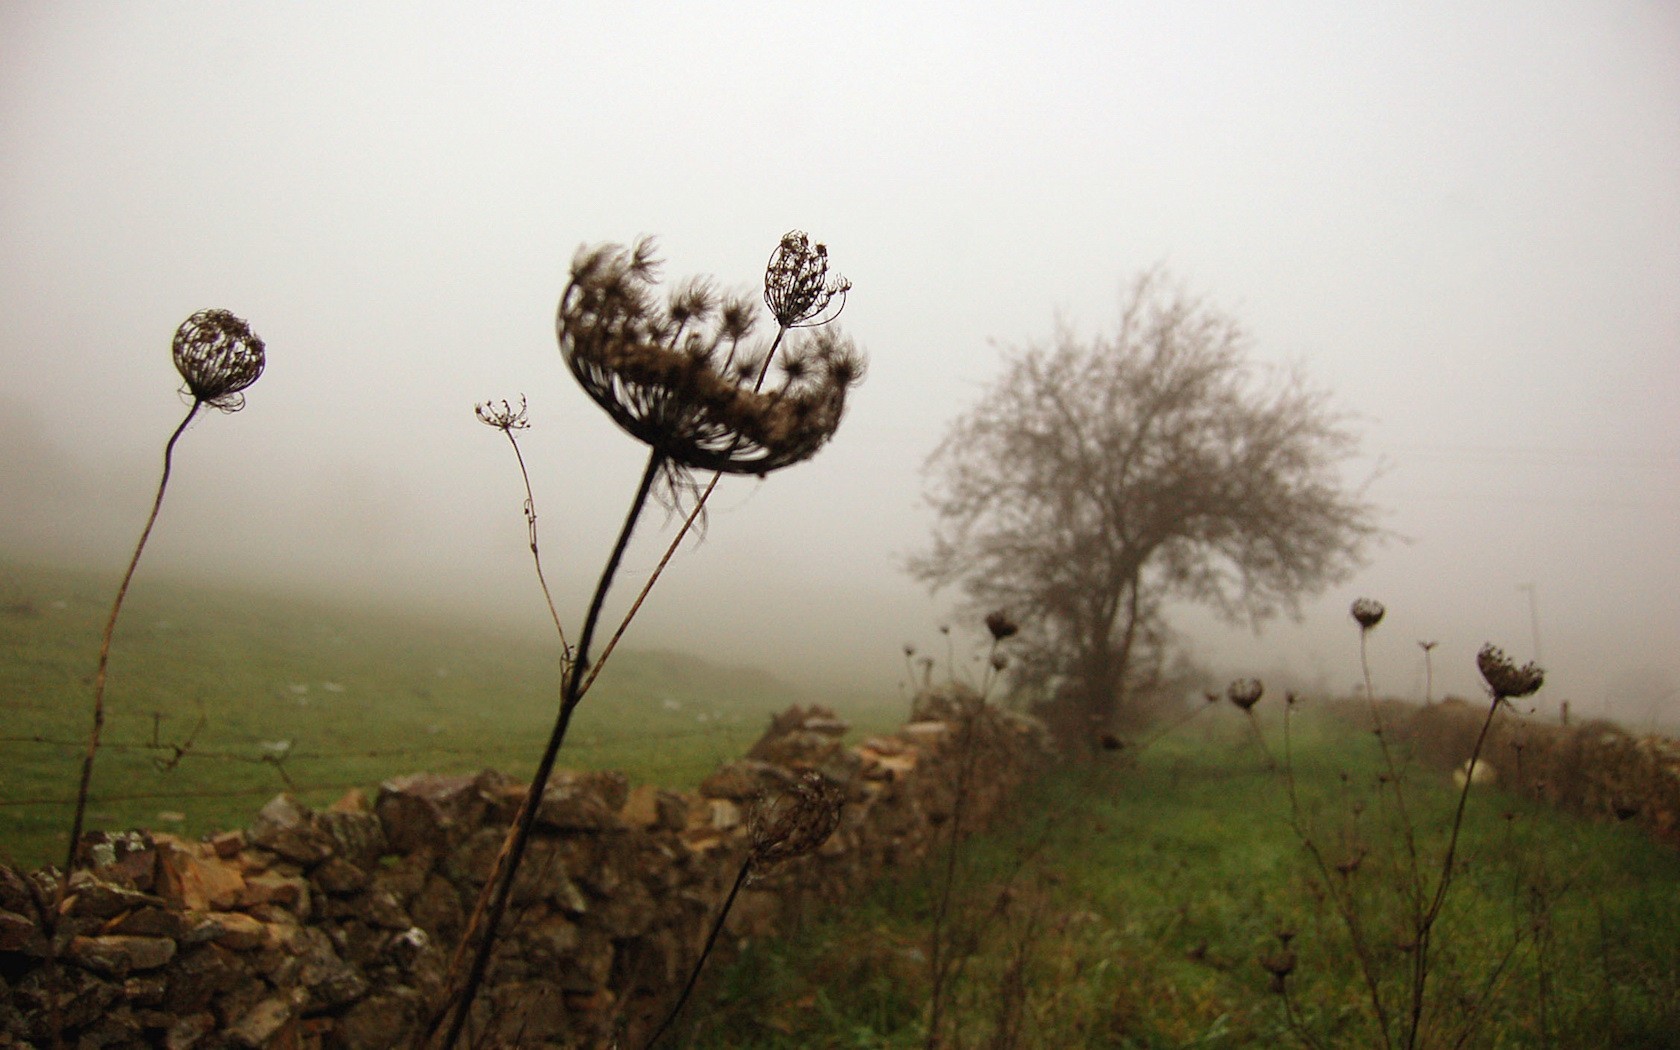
(939, 965)
(705, 953)
(500, 887)
(536, 554)
(99, 675)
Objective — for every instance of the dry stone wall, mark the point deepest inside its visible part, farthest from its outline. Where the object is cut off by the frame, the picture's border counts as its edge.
(1596, 769)
(333, 927)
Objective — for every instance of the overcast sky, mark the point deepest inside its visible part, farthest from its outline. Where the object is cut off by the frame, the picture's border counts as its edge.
(1463, 218)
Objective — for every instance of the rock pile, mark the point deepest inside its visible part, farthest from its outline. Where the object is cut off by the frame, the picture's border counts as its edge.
(333, 927)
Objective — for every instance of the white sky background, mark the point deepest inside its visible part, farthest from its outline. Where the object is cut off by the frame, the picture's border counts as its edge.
(1463, 218)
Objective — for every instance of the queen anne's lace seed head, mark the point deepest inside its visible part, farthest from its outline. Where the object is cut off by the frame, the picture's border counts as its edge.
(1245, 692)
(1367, 612)
(1505, 680)
(797, 286)
(219, 356)
(795, 822)
(676, 372)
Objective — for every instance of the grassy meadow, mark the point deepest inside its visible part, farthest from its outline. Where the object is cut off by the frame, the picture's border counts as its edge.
(1127, 905)
(1130, 906)
(263, 693)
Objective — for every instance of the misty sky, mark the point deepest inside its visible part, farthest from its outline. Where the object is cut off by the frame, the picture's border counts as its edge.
(1463, 218)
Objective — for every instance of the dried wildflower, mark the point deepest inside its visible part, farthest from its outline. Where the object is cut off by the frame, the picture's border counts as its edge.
(505, 418)
(219, 356)
(797, 286)
(1001, 626)
(1368, 612)
(1505, 680)
(677, 375)
(796, 822)
(1280, 965)
(1245, 692)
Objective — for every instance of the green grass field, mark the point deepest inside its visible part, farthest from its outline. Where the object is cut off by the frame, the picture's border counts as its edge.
(265, 693)
(1124, 906)
(1129, 907)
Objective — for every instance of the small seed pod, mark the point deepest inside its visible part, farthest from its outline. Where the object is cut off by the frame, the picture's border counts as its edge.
(1505, 680)
(1368, 612)
(797, 287)
(796, 822)
(1001, 626)
(1245, 692)
(219, 356)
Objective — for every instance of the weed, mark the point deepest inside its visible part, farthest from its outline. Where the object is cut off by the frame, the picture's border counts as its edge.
(218, 357)
(680, 376)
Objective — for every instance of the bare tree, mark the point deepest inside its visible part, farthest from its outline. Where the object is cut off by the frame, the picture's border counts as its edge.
(1099, 480)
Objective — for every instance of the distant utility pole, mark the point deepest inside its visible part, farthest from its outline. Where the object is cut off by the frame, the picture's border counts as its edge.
(1533, 619)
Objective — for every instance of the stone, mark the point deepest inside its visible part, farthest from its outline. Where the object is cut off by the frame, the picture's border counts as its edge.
(426, 811)
(228, 843)
(744, 778)
(583, 801)
(262, 1024)
(20, 934)
(189, 1031)
(285, 827)
(288, 891)
(94, 898)
(356, 835)
(340, 877)
(382, 1020)
(121, 955)
(127, 858)
(237, 931)
(148, 921)
(437, 909)
(330, 982)
(200, 974)
(192, 876)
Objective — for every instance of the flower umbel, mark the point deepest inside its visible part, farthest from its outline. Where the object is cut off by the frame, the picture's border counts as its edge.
(680, 376)
(795, 823)
(1245, 692)
(502, 415)
(1505, 680)
(1367, 612)
(1000, 625)
(219, 356)
(797, 287)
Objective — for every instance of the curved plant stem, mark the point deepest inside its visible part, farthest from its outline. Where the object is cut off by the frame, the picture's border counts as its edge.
(499, 888)
(536, 555)
(105, 654)
(705, 953)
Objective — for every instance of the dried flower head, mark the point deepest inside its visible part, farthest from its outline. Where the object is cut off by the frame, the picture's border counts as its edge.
(502, 415)
(797, 286)
(219, 356)
(677, 373)
(795, 822)
(1280, 964)
(1367, 612)
(1245, 692)
(1001, 626)
(1505, 680)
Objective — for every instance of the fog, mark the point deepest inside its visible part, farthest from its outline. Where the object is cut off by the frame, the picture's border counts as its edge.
(1464, 219)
